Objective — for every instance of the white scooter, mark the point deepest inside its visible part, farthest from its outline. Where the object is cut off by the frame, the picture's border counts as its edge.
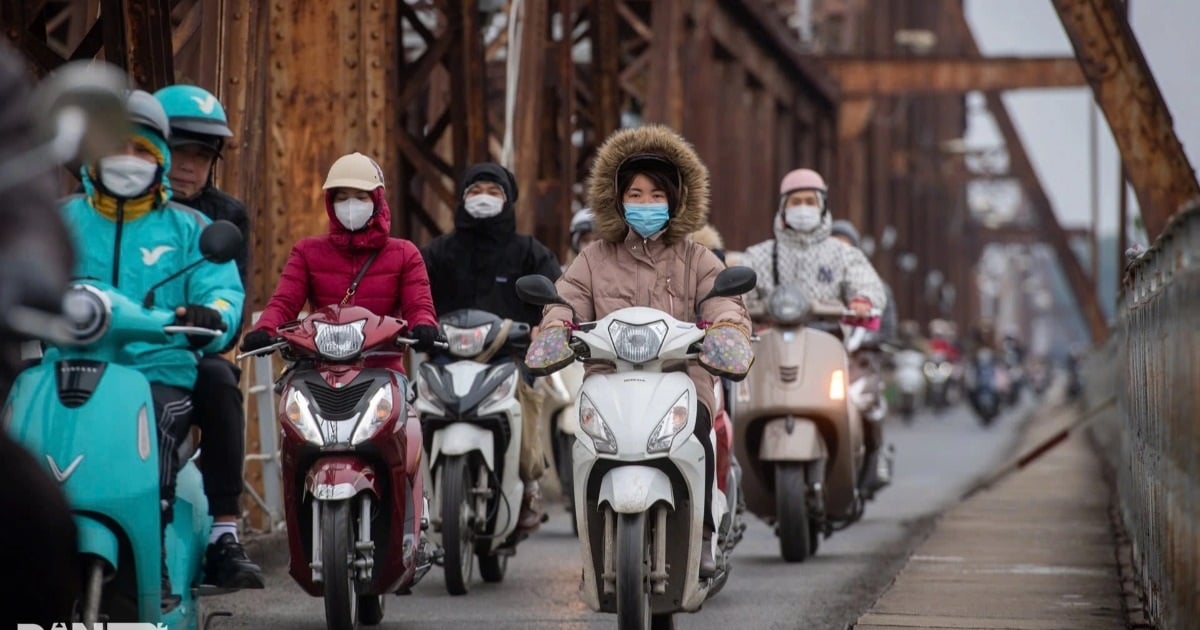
(909, 377)
(639, 471)
(471, 420)
(560, 419)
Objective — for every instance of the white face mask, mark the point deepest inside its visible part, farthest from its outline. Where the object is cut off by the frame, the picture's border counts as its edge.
(483, 206)
(126, 176)
(802, 218)
(354, 213)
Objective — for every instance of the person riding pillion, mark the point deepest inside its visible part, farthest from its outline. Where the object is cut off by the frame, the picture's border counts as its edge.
(199, 130)
(649, 192)
(477, 266)
(803, 255)
(127, 232)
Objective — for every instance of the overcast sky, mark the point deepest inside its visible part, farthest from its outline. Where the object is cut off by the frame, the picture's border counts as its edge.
(1054, 123)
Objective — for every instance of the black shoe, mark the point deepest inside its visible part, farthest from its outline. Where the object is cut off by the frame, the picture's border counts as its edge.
(708, 566)
(226, 565)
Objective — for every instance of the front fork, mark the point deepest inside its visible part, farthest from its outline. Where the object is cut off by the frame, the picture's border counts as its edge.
(658, 551)
(815, 475)
(364, 547)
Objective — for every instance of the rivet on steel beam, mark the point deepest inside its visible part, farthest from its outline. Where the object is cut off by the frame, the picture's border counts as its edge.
(234, 80)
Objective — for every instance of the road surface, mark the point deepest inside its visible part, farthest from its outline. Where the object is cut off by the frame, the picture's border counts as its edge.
(936, 459)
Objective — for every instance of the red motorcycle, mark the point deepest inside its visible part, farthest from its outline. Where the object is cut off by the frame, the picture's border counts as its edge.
(351, 454)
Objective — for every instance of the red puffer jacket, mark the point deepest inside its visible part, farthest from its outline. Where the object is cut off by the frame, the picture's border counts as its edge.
(321, 268)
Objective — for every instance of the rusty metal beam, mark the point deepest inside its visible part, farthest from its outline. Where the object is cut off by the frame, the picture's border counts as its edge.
(1026, 234)
(1083, 287)
(955, 75)
(1157, 167)
(530, 105)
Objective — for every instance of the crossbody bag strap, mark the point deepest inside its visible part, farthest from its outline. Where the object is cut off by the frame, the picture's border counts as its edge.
(358, 278)
(775, 261)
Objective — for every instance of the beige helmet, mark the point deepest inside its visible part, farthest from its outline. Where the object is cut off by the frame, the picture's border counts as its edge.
(355, 171)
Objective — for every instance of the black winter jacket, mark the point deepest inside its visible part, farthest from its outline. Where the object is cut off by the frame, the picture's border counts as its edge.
(478, 264)
(221, 206)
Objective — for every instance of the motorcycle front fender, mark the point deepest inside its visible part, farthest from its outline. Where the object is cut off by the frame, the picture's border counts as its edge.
(461, 438)
(340, 477)
(97, 539)
(792, 440)
(635, 489)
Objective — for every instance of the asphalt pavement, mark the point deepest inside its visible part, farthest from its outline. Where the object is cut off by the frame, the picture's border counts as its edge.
(937, 458)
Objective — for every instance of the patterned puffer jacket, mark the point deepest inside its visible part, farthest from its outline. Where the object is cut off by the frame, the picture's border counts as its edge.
(815, 263)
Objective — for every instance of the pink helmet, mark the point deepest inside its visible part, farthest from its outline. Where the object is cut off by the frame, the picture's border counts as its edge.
(802, 179)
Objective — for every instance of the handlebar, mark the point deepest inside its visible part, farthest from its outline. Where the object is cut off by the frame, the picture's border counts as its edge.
(409, 341)
(192, 330)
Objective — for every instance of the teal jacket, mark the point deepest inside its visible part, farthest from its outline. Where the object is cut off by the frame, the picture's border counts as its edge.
(134, 255)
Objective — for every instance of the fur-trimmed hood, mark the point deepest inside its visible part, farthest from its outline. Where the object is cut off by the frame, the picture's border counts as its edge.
(709, 237)
(692, 213)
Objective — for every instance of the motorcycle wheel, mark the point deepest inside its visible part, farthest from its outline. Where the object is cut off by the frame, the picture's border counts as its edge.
(458, 537)
(337, 552)
(633, 596)
(791, 513)
(492, 567)
(370, 609)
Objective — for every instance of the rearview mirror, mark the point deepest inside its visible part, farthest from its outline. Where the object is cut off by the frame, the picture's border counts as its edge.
(538, 290)
(220, 242)
(732, 282)
(81, 110)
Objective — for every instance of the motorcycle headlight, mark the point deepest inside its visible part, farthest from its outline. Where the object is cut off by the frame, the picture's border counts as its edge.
(672, 423)
(787, 306)
(837, 385)
(503, 391)
(466, 342)
(593, 425)
(340, 341)
(637, 344)
(299, 413)
(377, 413)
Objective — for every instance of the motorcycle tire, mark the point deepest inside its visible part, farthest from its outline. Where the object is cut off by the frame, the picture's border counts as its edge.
(458, 537)
(794, 527)
(633, 594)
(337, 552)
(492, 567)
(370, 609)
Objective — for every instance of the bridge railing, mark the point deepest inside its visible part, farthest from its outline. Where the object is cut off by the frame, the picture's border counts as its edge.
(1158, 385)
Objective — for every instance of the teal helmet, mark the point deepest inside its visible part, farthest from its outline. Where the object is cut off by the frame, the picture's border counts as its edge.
(196, 116)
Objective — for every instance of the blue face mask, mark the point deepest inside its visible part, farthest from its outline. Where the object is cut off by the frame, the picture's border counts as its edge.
(647, 219)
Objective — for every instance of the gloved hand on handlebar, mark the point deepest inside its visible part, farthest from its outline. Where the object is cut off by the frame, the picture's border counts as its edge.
(256, 340)
(861, 307)
(426, 337)
(726, 351)
(200, 317)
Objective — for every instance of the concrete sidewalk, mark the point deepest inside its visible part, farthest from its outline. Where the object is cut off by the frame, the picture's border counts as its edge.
(1036, 551)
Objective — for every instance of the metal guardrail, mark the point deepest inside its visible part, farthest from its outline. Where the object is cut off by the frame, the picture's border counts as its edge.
(1159, 465)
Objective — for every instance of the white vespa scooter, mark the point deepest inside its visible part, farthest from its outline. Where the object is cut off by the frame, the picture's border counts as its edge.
(471, 420)
(639, 472)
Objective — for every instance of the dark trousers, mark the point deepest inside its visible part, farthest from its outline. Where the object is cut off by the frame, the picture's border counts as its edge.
(703, 433)
(173, 415)
(222, 422)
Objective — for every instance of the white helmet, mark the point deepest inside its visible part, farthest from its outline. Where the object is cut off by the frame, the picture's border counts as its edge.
(355, 171)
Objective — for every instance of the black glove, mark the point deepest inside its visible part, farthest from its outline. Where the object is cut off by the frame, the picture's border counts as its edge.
(256, 339)
(200, 317)
(426, 336)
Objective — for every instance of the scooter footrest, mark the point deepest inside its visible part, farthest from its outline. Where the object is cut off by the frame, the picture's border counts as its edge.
(207, 590)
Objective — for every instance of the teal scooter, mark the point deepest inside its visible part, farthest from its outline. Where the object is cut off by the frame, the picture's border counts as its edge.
(91, 421)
